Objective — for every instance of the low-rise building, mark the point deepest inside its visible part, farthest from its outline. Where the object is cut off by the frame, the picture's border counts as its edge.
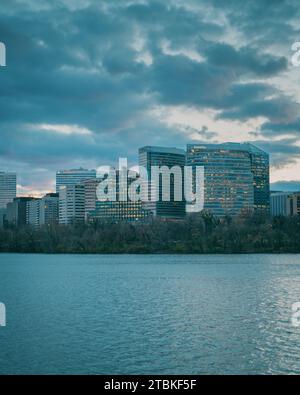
(279, 203)
(294, 204)
(119, 212)
(285, 203)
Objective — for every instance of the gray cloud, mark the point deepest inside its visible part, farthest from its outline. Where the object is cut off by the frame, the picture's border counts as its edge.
(270, 129)
(245, 60)
(279, 109)
(81, 63)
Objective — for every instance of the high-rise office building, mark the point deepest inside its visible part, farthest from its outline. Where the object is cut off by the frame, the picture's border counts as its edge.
(8, 188)
(33, 212)
(71, 204)
(150, 156)
(43, 211)
(90, 195)
(285, 203)
(236, 177)
(260, 169)
(73, 177)
(16, 213)
(118, 210)
(49, 209)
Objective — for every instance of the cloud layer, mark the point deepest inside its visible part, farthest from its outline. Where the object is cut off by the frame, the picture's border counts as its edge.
(89, 81)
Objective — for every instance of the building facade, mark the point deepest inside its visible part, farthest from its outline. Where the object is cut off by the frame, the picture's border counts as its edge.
(8, 188)
(2, 217)
(285, 203)
(228, 177)
(43, 211)
(260, 169)
(16, 212)
(294, 204)
(73, 177)
(279, 204)
(33, 212)
(149, 157)
(71, 204)
(49, 211)
(90, 196)
(118, 210)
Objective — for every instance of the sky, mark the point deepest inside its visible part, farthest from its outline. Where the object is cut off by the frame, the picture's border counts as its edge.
(89, 81)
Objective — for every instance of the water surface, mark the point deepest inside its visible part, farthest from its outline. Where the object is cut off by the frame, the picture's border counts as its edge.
(149, 314)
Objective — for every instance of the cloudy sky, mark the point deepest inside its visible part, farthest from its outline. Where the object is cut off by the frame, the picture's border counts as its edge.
(88, 81)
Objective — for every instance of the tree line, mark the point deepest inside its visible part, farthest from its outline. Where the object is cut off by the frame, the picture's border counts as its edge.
(198, 233)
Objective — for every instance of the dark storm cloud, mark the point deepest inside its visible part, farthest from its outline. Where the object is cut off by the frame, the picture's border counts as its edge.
(277, 109)
(180, 80)
(184, 28)
(245, 60)
(261, 22)
(284, 151)
(102, 66)
(269, 128)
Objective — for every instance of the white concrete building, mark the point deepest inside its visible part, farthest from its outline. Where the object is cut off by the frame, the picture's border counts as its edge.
(90, 193)
(71, 204)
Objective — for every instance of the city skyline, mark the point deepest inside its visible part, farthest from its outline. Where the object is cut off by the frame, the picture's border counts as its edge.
(149, 190)
(279, 186)
(169, 183)
(80, 89)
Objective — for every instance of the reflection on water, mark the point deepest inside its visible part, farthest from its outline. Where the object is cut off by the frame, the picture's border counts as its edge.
(224, 314)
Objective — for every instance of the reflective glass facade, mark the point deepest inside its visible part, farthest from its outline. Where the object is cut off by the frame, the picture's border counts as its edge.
(121, 209)
(118, 212)
(236, 176)
(73, 177)
(261, 177)
(161, 156)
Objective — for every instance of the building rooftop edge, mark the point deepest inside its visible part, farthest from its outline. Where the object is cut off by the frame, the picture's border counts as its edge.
(245, 146)
(153, 148)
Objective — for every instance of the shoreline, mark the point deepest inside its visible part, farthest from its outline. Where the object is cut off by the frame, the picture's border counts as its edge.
(149, 253)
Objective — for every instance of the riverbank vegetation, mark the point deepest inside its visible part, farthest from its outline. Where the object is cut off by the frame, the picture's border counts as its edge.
(199, 233)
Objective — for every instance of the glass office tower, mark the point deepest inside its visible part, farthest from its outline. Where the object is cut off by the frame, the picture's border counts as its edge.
(8, 188)
(121, 209)
(73, 177)
(161, 156)
(236, 177)
(260, 168)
